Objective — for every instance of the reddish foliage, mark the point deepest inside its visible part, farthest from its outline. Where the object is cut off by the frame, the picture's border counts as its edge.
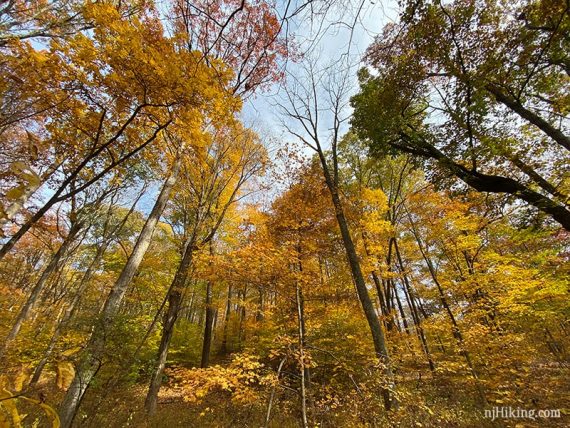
(246, 35)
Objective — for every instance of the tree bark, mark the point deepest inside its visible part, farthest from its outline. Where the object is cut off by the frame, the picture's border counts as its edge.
(207, 343)
(67, 315)
(513, 104)
(60, 196)
(242, 314)
(490, 183)
(272, 396)
(301, 341)
(224, 347)
(377, 283)
(94, 351)
(413, 308)
(367, 306)
(455, 330)
(52, 266)
(175, 297)
(400, 307)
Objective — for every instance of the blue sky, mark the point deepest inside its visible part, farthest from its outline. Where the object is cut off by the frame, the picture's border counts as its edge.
(330, 38)
(344, 32)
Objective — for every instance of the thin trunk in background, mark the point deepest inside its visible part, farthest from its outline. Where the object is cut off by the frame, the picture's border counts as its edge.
(53, 265)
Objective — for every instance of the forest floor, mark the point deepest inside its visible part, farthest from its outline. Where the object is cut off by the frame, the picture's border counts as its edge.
(124, 407)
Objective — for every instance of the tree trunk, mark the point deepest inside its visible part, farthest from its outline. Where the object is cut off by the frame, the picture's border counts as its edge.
(94, 350)
(68, 314)
(413, 308)
(389, 301)
(381, 299)
(455, 330)
(301, 331)
(241, 328)
(553, 132)
(490, 183)
(400, 307)
(367, 306)
(224, 347)
(377, 284)
(207, 344)
(175, 297)
(53, 265)
(272, 395)
(59, 194)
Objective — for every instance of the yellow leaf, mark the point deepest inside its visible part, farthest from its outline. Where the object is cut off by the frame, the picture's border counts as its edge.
(71, 351)
(50, 411)
(9, 404)
(65, 374)
(15, 192)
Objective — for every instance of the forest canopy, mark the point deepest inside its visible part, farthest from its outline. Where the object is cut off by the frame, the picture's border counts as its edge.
(220, 213)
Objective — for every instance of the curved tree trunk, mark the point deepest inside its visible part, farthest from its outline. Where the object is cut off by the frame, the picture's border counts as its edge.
(491, 183)
(510, 102)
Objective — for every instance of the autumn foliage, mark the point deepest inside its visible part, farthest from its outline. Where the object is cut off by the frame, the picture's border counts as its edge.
(398, 256)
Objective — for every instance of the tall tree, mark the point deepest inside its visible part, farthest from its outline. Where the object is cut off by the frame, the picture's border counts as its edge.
(306, 112)
(213, 178)
(110, 104)
(478, 89)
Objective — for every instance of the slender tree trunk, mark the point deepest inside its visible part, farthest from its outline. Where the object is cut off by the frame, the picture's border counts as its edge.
(94, 351)
(272, 396)
(190, 311)
(301, 304)
(394, 309)
(259, 315)
(367, 306)
(241, 328)
(174, 303)
(207, 343)
(420, 306)
(300, 325)
(377, 284)
(85, 279)
(456, 332)
(68, 314)
(381, 299)
(224, 347)
(59, 194)
(391, 292)
(400, 307)
(413, 308)
(175, 297)
(419, 328)
(215, 322)
(54, 264)
(387, 292)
